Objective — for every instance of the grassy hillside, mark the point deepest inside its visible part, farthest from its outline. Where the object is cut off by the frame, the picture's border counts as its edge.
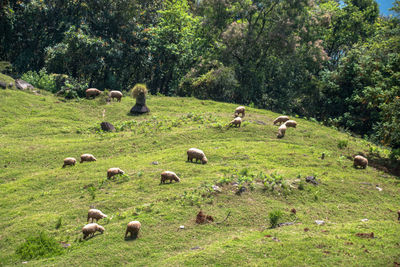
(38, 131)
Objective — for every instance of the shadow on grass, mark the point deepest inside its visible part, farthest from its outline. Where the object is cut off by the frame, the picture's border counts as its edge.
(130, 238)
(93, 236)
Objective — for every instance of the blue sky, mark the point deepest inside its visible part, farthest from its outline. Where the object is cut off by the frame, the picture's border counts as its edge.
(384, 6)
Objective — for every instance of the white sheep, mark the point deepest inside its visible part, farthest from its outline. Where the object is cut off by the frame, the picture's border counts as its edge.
(87, 157)
(92, 92)
(91, 228)
(197, 154)
(281, 119)
(95, 214)
(114, 171)
(291, 123)
(236, 122)
(167, 175)
(69, 161)
(281, 131)
(133, 228)
(116, 94)
(240, 110)
(360, 161)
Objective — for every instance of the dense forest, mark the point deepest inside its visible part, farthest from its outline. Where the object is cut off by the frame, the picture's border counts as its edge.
(335, 61)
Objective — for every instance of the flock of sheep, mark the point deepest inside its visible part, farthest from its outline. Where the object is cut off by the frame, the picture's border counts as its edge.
(133, 227)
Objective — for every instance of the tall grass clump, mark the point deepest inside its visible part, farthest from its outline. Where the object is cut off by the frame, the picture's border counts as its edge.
(39, 246)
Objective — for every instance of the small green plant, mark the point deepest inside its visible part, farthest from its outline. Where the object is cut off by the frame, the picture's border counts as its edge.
(301, 185)
(92, 191)
(41, 246)
(342, 144)
(274, 217)
(59, 223)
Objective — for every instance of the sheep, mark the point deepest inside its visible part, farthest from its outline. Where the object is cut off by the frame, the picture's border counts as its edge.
(360, 161)
(92, 92)
(69, 161)
(3, 85)
(236, 122)
(114, 171)
(197, 154)
(116, 94)
(133, 228)
(240, 110)
(291, 123)
(91, 228)
(167, 175)
(281, 119)
(87, 157)
(95, 214)
(281, 131)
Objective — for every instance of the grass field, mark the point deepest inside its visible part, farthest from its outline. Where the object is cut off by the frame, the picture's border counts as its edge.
(37, 131)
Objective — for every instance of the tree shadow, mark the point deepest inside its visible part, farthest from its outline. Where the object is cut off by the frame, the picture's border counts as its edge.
(383, 164)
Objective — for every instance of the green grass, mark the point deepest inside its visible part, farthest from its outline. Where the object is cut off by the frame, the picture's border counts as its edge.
(38, 131)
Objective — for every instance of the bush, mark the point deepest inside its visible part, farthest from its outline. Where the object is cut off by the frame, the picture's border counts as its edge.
(274, 217)
(41, 80)
(41, 246)
(342, 144)
(210, 80)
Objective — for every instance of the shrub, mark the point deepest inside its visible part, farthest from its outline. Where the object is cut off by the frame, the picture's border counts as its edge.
(41, 80)
(342, 144)
(274, 217)
(41, 246)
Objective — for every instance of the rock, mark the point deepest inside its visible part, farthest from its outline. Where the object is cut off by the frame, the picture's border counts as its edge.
(216, 189)
(10, 85)
(139, 109)
(196, 247)
(182, 227)
(140, 106)
(276, 239)
(379, 189)
(3, 85)
(285, 224)
(64, 244)
(311, 179)
(364, 220)
(155, 163)
(107, 127)
(319, 222)
(241, 190)
(23, 85)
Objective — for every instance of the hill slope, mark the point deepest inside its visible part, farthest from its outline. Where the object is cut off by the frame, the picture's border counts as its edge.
(38, 131)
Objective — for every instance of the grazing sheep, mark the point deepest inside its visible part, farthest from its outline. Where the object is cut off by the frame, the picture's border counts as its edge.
(116, 94)
(240, 110)
(91, 228)
(197, 154)
(291, 123)
(69, 161)
(10, 85)
(281, 119)
(87, 157)
(114, 171)
(95, 214)
(133, 228)
(92, 92)
(281, 131)
(236, 122)
(360, 161)
(167, 175)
